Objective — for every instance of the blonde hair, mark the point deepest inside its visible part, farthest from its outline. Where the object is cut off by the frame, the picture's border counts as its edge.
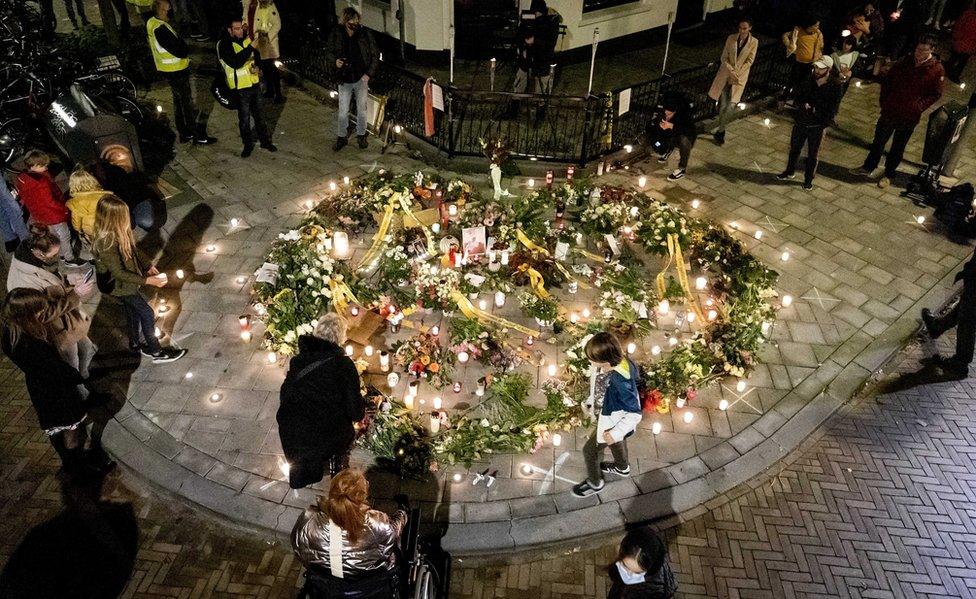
(346, 504)
(113, 227)
(331, 327)
(81, 181)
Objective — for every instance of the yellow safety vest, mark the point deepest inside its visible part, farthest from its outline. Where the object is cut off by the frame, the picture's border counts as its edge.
(244, 78)
(141, 3)
(165, 62)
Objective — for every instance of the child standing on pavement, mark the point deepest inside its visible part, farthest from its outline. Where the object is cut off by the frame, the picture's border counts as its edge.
(615, 378)
(44, 200)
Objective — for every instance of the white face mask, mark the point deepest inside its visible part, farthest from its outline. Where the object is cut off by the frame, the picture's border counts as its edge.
(628, 577)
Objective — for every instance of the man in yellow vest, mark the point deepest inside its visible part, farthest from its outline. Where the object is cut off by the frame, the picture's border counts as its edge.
(236, 56)
(171, 57)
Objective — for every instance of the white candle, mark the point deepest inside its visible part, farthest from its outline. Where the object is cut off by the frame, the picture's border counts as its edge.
(435, 423)
(557, 439)
(462, 357)
(641, 182)
(384, 360)
(688, 417)
(349, 350)
(552, 370)
(234, 222)
(531, 182)
(656, 428)
(435, 330)
(412, 388)
(340, 242)
(368, 350)
(723, 405)
(480, 390)
(504, 257)
(392, 379)
(700, 283)
(483, 304)
(211, 247)
(499, 298)
(408, 400)
(272, 357)
(740, 386)
(354, 310)
(586, 312)
(437, 403)
(631, 347)
(345, 180)
(695, 203)
(436, 228)
(787, 300)
(179, 273)
(452, 210)
(332, 185)
(656, 350)
(664, 306)
(246, 336)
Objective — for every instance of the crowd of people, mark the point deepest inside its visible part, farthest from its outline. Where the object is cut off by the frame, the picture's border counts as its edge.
(872, 45)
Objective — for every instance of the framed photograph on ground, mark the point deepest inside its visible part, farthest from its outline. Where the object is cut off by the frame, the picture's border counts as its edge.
(473, 241)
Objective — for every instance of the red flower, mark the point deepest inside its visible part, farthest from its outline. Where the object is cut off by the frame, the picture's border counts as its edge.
(652, 399)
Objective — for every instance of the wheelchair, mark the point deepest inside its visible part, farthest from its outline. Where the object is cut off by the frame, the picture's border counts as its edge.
(422, 572)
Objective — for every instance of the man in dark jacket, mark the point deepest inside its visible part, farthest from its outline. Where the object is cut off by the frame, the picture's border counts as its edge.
(354, 59)
(673, 127)
(533, 60)
(320, 402)
(171, 58)
(817, 100)
(911, 86)
(963, 317)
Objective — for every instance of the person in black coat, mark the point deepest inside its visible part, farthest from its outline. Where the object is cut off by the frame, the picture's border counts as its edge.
(817, 100)
(52, 383)
(673, 126)
(321, 400)
(963, 317)
(642, 570)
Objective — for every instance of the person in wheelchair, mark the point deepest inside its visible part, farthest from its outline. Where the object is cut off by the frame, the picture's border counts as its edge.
(347, 548)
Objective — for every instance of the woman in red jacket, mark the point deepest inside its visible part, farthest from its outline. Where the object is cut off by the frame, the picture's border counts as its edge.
(44, 200)
(963, 43)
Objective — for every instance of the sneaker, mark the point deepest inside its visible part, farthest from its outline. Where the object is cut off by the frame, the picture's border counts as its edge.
(676, 174)
(247, 151)
(339, 144)
(884, 182)
(808, 186)
(663, 158)
(862, 172)
(611, 468)
(269, 147)
(719, 138)
(585, 489)
(185, 139)
(363, 144)
(204, 140)
(167, 355)
(785, 175)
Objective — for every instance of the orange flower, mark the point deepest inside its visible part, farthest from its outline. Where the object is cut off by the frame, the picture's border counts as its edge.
(435, 367)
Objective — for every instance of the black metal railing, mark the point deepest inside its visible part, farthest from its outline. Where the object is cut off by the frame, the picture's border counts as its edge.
(555, 128)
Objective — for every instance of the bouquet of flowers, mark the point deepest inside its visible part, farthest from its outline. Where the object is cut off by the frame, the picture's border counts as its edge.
(423, 357)
(435, 285)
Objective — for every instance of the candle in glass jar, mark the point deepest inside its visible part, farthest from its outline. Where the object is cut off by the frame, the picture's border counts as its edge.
(408, 400)
(412, 388)
(480, 390)
(392, 379)
(340, 242)
(384, 360)
(354, 311)
(437, 403)
(457, 387)
(435, 422)
(349, 350)
(368, 350)
(452, 210)
(504, 257)
(499, 298)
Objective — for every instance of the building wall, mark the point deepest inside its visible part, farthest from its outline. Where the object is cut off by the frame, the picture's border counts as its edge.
(427, 22)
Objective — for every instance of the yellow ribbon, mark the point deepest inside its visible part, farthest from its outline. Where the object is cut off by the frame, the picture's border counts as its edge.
(532, 246)
(468, 309)
(675, 256)
(405, 205)
(536, 281)
(380, 237)
(342, 295)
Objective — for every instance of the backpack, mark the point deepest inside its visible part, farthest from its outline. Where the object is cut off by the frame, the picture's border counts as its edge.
(955, 209)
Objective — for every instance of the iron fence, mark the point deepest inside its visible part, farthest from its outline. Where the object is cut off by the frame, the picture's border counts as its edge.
(570, 129)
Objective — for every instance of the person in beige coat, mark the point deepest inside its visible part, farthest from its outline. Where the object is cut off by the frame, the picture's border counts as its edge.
(730, 81)
(266, 26)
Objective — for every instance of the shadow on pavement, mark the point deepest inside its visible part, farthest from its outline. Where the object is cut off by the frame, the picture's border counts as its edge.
(87, 550)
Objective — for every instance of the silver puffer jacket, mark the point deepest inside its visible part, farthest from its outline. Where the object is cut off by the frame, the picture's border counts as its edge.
(373, 551)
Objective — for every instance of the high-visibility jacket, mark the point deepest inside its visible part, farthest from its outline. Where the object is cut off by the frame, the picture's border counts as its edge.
(165, 62)
(140, 3)
(244, 77)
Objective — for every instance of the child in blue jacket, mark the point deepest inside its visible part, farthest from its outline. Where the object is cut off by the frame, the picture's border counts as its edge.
(619, 416)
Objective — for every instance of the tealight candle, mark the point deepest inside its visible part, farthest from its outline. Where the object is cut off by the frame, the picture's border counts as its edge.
(504, 257)
(785, 256)
(552, 370)
(688, 417)
(557, 439)
(723, 405)
(240, 280)
(452, 210)
(673, 341)
(656, 428)
(437, 403)
(272, 357)
(700, 283)
(211, 247)
(664, 306)
(179, 273)
(586, 312)
(215, 397)
(499, 298)
(740, 386)
(695, 203)
(787, 300)
(656, 350)
(758, 234)
(349, 350)
(483, 304)
(462, 357)
(368, 350)
(631, 347)
(436, 228)
(354, 311)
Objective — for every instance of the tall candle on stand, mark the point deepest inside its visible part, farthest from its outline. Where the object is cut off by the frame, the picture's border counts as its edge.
(435, 422)
(384, 360)
(549, 178)
(570, 171)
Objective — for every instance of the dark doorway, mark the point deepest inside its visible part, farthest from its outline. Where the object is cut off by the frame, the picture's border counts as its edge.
(690, 14)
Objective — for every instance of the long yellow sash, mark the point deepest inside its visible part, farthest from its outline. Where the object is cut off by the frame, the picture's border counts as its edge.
(468, 309)
(379, 238)
(533, 246)
(677, 258)
(342, 295)
(536, 281)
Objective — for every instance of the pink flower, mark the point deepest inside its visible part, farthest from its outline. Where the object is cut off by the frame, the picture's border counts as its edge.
(691, 394)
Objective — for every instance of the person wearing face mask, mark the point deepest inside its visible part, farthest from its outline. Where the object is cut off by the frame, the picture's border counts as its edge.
(817, 100)
(236, 55)
(642, 570)
(353, 58)
(614, 379)
(913, 84)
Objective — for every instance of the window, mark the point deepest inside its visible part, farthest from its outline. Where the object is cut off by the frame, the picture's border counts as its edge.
(593, 5)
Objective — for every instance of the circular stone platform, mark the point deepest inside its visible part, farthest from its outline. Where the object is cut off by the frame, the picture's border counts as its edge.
(858, 282)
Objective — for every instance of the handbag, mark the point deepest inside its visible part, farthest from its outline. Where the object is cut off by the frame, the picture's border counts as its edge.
(105, 281)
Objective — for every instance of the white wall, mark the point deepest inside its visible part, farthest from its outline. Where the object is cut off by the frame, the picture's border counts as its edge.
(717, 5)
(612, 22)
(426, 22)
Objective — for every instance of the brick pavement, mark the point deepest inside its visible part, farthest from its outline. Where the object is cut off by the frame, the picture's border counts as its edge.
(878, 503)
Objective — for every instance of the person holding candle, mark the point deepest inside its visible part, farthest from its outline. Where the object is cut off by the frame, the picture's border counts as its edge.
(614, 378)
(321, 400)
(120, 274)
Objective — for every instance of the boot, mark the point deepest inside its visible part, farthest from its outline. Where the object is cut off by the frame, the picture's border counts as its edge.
(339, 144)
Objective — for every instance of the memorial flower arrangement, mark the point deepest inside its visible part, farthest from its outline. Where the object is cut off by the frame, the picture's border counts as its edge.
(406, 269)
